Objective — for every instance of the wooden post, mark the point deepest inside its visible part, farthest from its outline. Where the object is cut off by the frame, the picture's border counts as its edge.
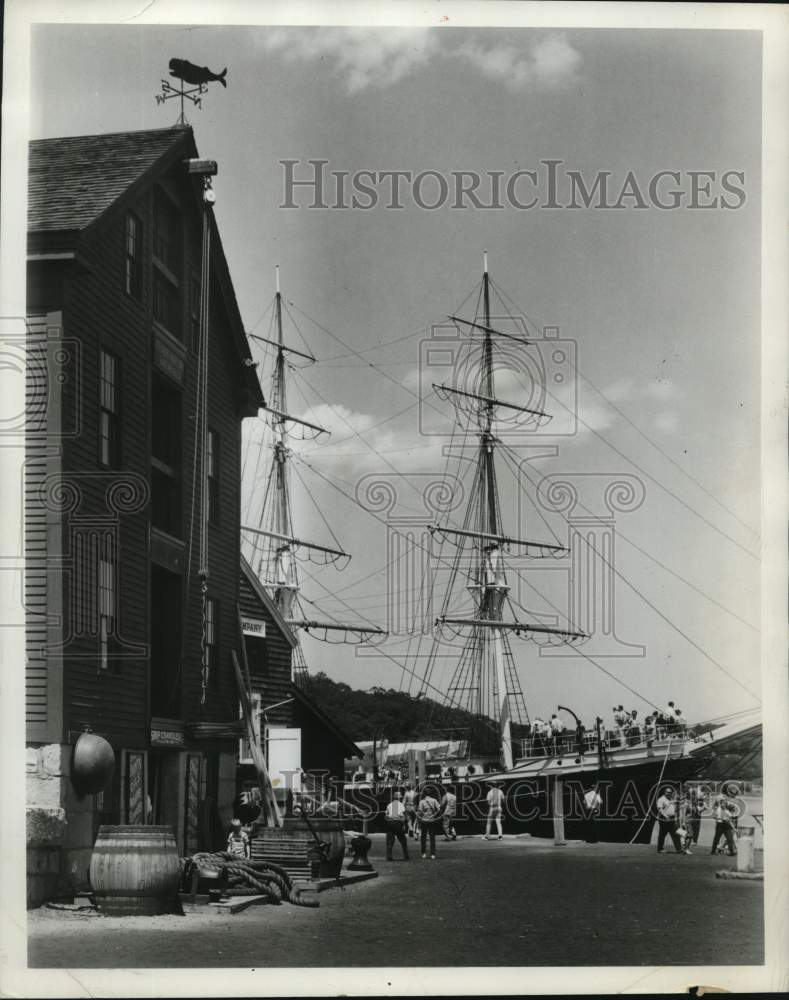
(557, 796)
(273, 815)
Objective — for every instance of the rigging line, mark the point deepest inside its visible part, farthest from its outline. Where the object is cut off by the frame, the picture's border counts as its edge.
(372, 427)
(296, 326)
(373, 513)
(403, 666)
(268, 308)
(513, 461)
(335, 539)
(649, 556)
(369, 364)
(359, 434)
(386, 343)
(657, 482)
(676, 628)
(518, 308)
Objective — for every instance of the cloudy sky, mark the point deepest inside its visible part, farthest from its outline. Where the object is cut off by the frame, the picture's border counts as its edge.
(659, 308)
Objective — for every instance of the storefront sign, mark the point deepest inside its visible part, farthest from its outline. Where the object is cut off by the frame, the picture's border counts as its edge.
(253, 626)
(167, 738)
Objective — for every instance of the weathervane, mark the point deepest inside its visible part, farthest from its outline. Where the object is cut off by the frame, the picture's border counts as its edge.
(186, 72)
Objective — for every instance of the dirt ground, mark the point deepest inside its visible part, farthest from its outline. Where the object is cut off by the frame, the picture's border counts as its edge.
(515, 902)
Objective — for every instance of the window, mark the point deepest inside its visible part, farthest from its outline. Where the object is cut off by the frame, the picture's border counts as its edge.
(106, 598)
(133, 269)
(166, 304)
(167, 254)
(212, 475)
(109, 436)
(167, 233)
(194, 313)
(166, 448)
(212, 641)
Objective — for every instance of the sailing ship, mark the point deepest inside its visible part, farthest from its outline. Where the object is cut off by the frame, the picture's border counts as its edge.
(269, 536)
(544, 777)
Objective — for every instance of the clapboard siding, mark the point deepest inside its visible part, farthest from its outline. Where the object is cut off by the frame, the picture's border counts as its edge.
(269, 658)
(97, 313)
(35, 530)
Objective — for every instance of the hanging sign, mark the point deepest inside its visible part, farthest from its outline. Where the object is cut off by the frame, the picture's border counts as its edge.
(254, 627)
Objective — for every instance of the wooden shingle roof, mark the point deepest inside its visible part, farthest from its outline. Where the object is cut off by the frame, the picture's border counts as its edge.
(73, 180)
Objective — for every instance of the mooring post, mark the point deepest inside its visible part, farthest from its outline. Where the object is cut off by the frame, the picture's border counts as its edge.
(557, 808)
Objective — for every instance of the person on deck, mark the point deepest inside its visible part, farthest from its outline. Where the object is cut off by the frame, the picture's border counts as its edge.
(633, 729)
(428, 813)
(238, 841)
(495, 798)
(395, 826)
(557, 732)
(667, 821)
(449, 805)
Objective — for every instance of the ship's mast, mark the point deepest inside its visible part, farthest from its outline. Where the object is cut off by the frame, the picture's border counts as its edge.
(273, 536)
(493, 584)
(287, 583)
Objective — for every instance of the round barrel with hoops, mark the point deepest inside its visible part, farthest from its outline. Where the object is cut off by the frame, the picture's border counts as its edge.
(134, 870)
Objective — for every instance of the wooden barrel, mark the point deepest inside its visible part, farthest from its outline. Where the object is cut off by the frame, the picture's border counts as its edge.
(134, 870)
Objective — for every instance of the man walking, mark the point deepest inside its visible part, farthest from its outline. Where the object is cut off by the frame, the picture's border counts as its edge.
(495, 798)
(395, 826)
(667, 821)
(428, 812)
(409, 804)
(724, 812)
(592, 803)
(449, 803)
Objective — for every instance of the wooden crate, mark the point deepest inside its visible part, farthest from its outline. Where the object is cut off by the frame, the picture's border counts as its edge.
(286, 850)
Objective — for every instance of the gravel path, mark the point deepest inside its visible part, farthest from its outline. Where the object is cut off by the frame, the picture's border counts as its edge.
(515, 902)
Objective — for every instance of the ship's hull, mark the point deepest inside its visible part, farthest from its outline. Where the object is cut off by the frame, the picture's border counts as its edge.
(627, 781)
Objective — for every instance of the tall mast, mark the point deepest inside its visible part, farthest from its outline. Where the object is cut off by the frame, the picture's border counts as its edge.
(286, 576)
(493, 582)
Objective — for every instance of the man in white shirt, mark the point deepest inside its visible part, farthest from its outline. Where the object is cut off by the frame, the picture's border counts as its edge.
(395, 826)
(449, 805)
(495, 799)
(557, 729)
(666, 806)
(725, 812)
(592, 803)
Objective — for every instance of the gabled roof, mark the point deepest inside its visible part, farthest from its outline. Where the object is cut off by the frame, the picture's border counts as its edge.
(260, 592)
(73, 180)
(348, 744)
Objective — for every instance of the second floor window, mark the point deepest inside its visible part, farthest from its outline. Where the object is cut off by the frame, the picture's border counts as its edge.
(166, 447)
(133, 256)
(109, 429)
(106, 599)
(212, 641)
(212, 475)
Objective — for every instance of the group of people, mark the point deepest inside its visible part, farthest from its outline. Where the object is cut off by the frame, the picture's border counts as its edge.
(680, 819)
(410, 817)
(407, 816)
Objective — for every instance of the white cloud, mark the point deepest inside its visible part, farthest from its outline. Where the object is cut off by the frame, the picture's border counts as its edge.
(548, 63)
(362, 56)
(379, 57)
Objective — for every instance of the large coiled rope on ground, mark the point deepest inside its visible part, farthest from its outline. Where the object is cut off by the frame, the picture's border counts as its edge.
(243, 877)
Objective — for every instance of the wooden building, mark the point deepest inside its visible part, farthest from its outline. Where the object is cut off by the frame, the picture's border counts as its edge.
(115, 614)
(302, 745)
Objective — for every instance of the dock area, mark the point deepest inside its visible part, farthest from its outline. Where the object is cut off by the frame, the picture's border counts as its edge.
(515, 902)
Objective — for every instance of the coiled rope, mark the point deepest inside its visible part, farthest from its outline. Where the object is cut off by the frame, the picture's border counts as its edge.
(245, 878)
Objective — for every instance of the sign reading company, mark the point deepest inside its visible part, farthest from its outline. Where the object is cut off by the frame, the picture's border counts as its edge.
(253, 626)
